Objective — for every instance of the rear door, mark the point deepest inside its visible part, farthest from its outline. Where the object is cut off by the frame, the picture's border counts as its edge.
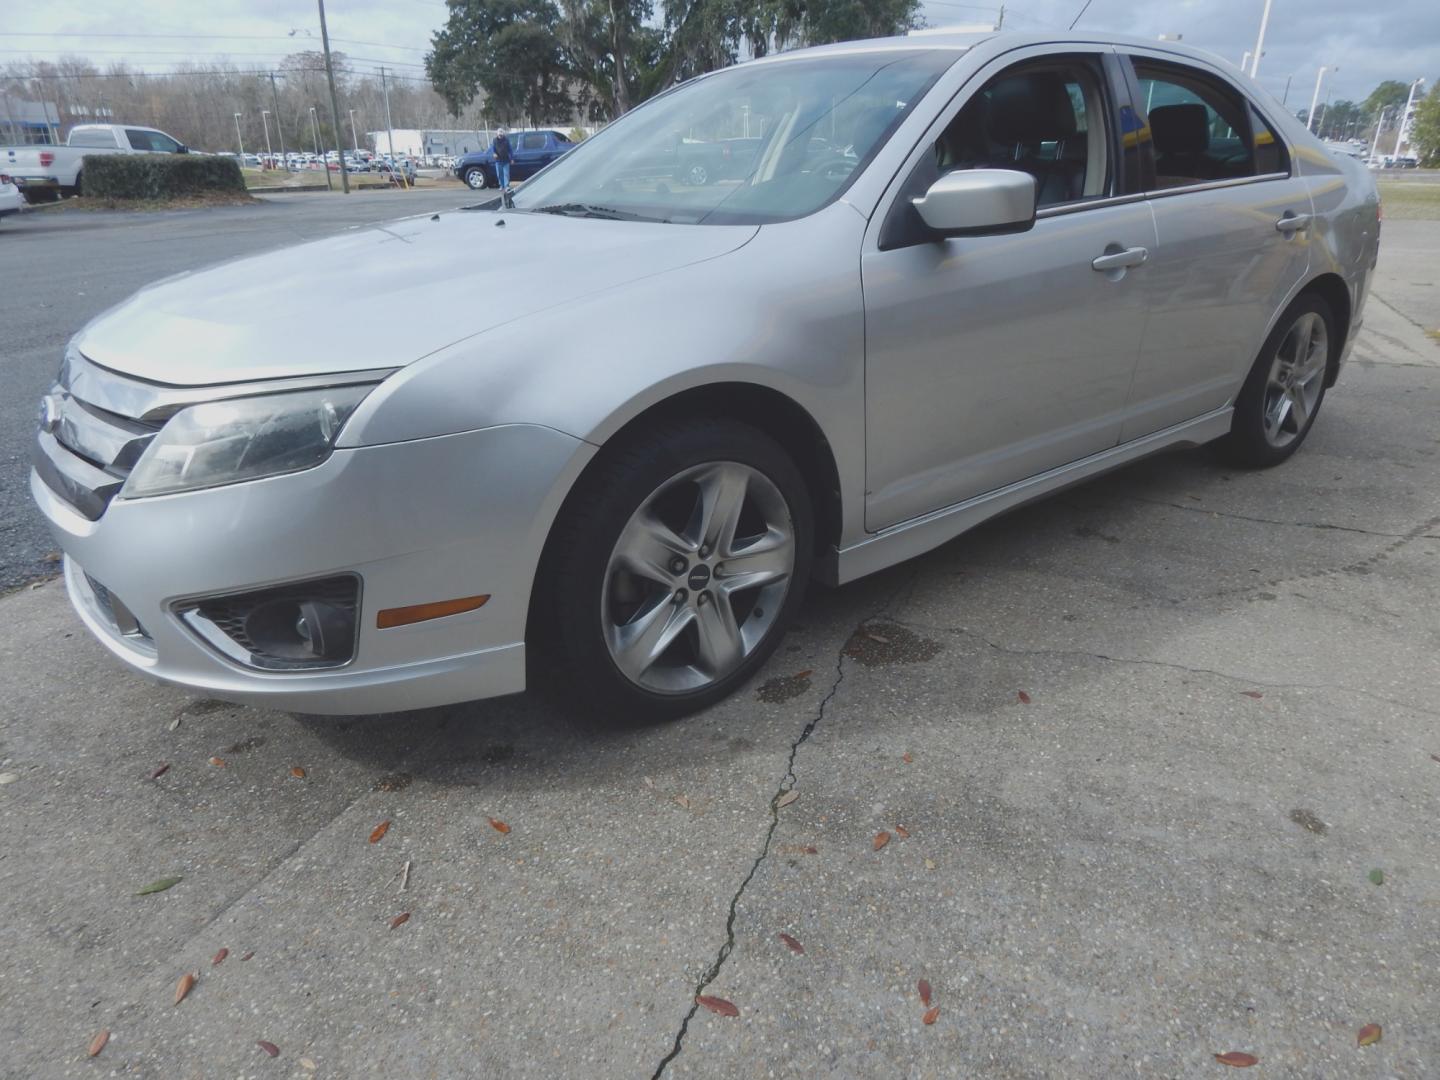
(1232, 219)
(530, 154)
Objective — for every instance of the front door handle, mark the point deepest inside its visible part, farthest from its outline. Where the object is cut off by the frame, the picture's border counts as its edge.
(1292, 223)
(1120, 260)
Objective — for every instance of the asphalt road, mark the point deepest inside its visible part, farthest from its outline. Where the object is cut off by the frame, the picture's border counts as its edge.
(1152, 743)
(65, 266)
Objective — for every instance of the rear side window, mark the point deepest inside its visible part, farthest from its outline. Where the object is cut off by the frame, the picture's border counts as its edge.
(533, 141)
(1200, 129)
(95, 139)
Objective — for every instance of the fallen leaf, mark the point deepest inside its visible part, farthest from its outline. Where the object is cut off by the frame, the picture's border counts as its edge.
(1369, 1035)
(307, 1064)
(793, 945)
(718, 1005)
(929, 864)
(803, 674)
(1377, 876)
(499, 826)
(902, 832)
(1237, 1060)
(378, 833)
(400, 920)
(649, 781)
(924, 987)
(160, 770)
(906, 758)
(1256, 694)
(173, 724)
(800, 849)
(247, 956)
(219, 763)
(184, 986)
(1435, 757)
(786, 799)
(219, 957)
(98, 1043)
(881, 839)
(877, 637)
(683, 801)
(931, 1015)
(269, 1047)
(160, 886)
(297, 772)
(1024, 698)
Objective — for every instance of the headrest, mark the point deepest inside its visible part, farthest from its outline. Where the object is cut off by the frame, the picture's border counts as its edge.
(1180, 129)
(1030, 109)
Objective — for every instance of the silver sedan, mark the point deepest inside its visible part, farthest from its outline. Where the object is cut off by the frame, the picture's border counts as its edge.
(622, 423)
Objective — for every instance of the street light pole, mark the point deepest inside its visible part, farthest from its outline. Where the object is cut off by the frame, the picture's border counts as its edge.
(1379, 125)
(279, 127)
(1405, 116)
(1260, 40)
(353, 137)
(315, 133)
(1315, 97)
(265, 119)
(334, 102)
(238, 139)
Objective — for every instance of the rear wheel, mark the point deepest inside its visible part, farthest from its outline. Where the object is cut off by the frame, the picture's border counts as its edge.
(1282, 395)
(674, 572)
(697, 175)
(476, 179)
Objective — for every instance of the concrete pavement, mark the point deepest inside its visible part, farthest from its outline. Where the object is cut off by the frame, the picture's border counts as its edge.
(1161, 852)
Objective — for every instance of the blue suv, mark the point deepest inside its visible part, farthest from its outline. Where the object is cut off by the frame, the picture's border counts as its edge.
(530, 151)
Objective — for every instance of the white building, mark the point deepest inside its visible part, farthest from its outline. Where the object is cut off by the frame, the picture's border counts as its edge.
(426, 143)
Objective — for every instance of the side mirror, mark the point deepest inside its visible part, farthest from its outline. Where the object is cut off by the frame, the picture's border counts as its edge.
(182, 149)
(976, 202)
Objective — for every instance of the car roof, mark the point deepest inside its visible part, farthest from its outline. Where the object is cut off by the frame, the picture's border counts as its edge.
(960, 41)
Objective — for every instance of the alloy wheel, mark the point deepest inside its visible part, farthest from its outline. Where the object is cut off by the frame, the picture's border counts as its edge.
(1296, 380)
(697, 577)
(476, 179)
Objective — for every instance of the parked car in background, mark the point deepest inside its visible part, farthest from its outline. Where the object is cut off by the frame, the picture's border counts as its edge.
(530, 152)
(10, 198)
(401, 171)
(44, 173)
(834, 363)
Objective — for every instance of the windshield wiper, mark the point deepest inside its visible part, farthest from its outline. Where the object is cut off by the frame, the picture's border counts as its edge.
(590, 210)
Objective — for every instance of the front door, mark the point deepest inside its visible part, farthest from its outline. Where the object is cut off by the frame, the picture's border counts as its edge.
(990, 359)
(1234, 241)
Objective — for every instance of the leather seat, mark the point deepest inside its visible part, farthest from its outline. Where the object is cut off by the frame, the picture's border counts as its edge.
(1026, 111)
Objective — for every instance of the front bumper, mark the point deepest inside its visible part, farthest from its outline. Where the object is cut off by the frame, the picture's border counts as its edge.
(417, 522)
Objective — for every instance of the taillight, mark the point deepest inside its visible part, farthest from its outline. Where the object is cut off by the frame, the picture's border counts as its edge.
(4, 179)
(47, 158)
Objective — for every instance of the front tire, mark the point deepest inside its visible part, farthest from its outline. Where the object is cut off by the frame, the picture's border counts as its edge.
(476, 179)
(1282, 395)
(674, 570)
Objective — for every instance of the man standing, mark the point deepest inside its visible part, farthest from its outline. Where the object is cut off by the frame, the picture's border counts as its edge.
(501, 147)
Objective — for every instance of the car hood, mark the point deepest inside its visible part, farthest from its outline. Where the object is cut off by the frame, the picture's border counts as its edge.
(383, 296)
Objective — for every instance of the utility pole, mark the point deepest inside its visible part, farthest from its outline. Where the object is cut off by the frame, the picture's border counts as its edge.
(334, 102)
(389, 128)
(315, 132)
(239, 139)
(1260, 40)
(269, 154)
(353, 137)
(279, 127)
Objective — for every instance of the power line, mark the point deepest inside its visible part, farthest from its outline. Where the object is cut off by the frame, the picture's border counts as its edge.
(165, 52)
(202, 37)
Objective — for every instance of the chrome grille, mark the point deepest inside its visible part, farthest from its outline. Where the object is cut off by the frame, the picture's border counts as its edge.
(84, 451)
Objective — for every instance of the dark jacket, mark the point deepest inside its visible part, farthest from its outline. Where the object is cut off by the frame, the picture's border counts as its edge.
(501, 146)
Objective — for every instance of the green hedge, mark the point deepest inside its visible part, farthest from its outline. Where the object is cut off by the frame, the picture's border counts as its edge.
(157, 176)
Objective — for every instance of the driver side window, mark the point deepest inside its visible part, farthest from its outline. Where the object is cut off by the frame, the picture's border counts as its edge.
(1047, 118)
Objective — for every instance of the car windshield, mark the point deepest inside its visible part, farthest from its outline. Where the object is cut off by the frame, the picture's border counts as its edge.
(753, 144)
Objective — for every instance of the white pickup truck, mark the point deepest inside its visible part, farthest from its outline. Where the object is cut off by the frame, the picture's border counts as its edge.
(43, 172)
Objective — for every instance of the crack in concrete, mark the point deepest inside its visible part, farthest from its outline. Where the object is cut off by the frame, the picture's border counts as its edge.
(1086, 654)
(1273, 521)
(787, 782)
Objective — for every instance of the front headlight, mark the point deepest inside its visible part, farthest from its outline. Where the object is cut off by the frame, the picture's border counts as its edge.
(225, 442)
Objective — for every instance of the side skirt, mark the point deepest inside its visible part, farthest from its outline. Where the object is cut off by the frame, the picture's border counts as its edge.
(919, 535)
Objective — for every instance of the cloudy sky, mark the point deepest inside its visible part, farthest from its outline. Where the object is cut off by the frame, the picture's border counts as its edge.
(1397, 39)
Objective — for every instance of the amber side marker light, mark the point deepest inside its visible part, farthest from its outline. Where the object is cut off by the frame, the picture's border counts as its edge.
(404, 616)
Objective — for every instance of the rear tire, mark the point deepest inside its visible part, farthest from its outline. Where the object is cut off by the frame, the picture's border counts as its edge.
(476, 179)
(632, 632)
(1282, 395)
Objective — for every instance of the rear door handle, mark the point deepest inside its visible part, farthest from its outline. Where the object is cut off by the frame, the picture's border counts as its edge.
(1292, 223)
(1120, 260)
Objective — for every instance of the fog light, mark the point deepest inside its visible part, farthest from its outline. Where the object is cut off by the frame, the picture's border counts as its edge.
(303, 625)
